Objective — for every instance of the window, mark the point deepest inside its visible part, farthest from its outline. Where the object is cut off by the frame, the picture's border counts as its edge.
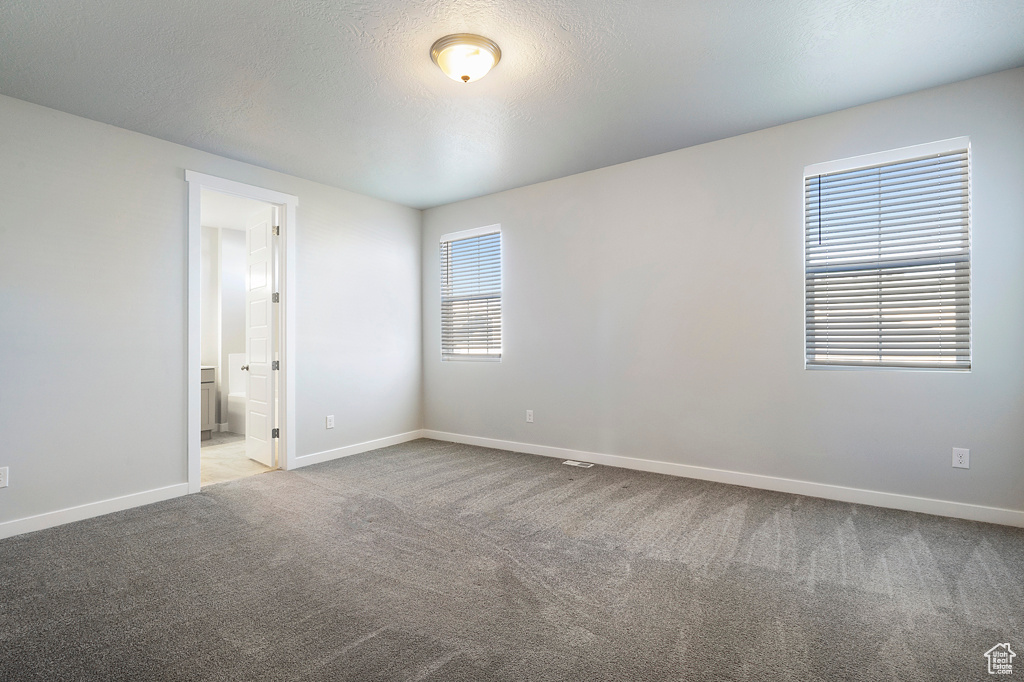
(887, 261)
(471, 294)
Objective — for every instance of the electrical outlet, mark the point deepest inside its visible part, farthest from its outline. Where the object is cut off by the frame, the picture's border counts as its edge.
(529, 416)
(330, 421)
(961, 458)
(3, 477)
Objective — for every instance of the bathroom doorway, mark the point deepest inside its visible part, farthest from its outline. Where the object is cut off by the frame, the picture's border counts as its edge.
(239, 395)
(235, 289)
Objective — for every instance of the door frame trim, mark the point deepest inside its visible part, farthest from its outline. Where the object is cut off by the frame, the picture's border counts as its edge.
(287, 203)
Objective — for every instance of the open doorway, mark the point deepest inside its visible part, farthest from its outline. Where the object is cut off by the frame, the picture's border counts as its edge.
(240, 392)
(235, 317)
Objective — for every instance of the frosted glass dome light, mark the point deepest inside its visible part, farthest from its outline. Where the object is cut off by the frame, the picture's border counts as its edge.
(465, 57)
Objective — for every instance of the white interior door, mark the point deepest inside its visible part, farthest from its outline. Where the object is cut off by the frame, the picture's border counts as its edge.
(259, 337)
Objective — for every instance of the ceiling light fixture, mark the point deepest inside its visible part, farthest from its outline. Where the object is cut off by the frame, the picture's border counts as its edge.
(465, 57)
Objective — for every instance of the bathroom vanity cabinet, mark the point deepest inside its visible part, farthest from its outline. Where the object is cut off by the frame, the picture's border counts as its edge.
(208, 403)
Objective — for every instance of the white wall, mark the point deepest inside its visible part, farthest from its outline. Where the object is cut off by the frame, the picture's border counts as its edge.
(209, 299)
(93, 308)
(222, 304)
(655, 310)
(232, 308)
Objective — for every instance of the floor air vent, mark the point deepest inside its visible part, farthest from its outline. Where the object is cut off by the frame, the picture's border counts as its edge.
(581, 465)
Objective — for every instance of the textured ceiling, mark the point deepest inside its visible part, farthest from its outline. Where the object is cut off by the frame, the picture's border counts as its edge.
(345, 93)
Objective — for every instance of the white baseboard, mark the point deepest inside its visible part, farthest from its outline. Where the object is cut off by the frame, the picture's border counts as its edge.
(87, 511)
(222, 426)
(328, 455)
(959, 510)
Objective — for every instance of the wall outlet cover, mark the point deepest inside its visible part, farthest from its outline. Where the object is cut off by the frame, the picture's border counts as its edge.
(3, 477)
(330, 421)
(529, 416)
(961, 458)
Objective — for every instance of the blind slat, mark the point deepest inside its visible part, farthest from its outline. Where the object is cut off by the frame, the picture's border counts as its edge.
(890, 170)
(954, 219)
(950, 234)
(894, 202)
(954, 179)
(868, 222)
(884, 266)
(891, 287)
(953, 362)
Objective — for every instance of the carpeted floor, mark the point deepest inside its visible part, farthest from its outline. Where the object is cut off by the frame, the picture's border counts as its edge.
(434, 561)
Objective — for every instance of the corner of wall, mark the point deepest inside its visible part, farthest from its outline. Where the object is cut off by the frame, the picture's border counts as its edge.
(423, 340)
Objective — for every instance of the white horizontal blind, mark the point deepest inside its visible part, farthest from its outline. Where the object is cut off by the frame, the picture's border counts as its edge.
(471, 297)
(887, 264)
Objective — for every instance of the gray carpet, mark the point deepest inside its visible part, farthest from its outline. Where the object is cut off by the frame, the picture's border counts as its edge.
(434, 561)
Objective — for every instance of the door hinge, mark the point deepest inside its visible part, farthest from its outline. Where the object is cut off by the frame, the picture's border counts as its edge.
(275, 433)
(276, 364)
(277, 230)
(275, 298)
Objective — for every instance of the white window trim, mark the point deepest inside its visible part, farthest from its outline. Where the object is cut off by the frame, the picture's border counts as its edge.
(889, 156)
(474, 232)
(874, 159)
(466, 234)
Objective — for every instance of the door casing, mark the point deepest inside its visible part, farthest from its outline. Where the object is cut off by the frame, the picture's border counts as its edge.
(287, 204)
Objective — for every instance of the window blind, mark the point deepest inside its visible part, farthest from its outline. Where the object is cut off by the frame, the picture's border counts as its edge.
(887, 264)
(471, 296)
